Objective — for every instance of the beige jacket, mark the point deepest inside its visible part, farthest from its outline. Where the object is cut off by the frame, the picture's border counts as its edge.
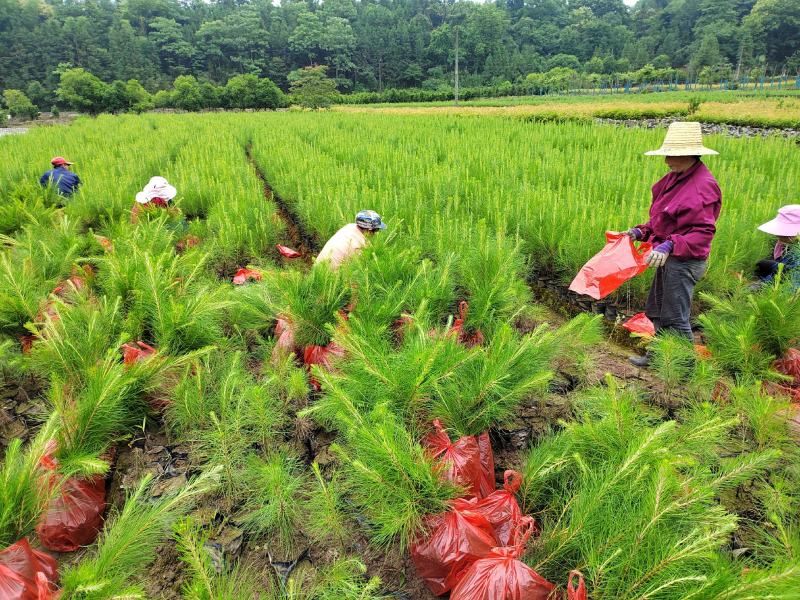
(344, 243)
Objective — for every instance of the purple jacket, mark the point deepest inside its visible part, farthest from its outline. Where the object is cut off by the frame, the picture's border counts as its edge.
(684, 211)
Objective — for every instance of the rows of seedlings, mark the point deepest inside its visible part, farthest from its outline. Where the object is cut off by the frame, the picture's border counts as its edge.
(261, 427)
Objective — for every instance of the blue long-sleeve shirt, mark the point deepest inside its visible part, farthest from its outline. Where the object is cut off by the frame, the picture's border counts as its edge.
(66, 181)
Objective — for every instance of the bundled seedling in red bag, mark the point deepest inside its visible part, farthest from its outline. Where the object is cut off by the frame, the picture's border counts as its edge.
(322, 356)
(74, 517)
(502, 576)
(462, 459)
(501, 508)
(454, 541)
(465, 337)
(618, 261)
(135, 352)
(26, 574)
(576, 592)
(244, 275)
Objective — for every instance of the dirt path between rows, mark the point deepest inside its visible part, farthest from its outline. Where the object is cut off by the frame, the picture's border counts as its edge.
(299, 239)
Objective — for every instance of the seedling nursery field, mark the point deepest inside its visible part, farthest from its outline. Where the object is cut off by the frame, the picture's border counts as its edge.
(232, 462)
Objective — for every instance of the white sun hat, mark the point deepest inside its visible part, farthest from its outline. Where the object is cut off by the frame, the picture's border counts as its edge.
(683, 139)
(157, 187)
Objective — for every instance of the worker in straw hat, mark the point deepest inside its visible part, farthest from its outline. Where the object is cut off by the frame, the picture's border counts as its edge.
(351, 238)
(60, 176)
(683, 215)
(786, 253)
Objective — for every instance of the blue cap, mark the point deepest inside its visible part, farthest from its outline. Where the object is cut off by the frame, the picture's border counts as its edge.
(369, 219)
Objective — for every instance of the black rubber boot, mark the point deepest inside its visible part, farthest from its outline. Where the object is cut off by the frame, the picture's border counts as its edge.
(641, 361)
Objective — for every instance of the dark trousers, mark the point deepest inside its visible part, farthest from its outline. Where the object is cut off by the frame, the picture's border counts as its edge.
(669, 304)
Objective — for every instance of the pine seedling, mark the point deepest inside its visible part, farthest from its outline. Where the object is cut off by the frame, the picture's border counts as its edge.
(326, 520)
(311, 302)
(391, 479)
(486, 390)
(206, 583)
(676, 362)
(129, 541)
(275, 486)
(345, 580)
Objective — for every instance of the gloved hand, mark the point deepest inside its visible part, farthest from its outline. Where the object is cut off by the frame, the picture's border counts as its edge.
(658, 257)
(634, 233)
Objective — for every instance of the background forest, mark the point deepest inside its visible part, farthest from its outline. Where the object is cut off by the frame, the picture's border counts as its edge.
(371, 45)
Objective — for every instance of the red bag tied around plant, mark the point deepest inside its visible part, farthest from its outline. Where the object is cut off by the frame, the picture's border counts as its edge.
(462, 459)
(466, 338)
(136, 351)
(26, 574)
(639, 323)
(244, 274)
(322, 356)
(74, 516)
(576, 593)
(486, 484)
(287, 252)
(455, 540)
(501, 508)
(502, 576)
(619, 261)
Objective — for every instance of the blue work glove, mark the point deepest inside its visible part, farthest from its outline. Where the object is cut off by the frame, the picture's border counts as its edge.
(634, 233)
(658, 257)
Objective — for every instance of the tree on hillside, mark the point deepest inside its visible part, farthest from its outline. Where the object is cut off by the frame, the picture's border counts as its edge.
(19, 105)
(250, 91)
(310, 87)
(82, 91)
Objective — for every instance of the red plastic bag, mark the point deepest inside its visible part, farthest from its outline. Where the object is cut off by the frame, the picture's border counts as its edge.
(576, 593)
(502, 576)
(619, 261)
(462, 459)
(74, 517)
(26, 574)
(501, 508)
(242, 275)
(136, 351)
(639, 323)
(322, 356)
(454, 541)
(466, 338)
(486, 484)
(287, 252)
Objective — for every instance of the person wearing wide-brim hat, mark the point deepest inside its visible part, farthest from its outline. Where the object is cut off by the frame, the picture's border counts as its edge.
(157, 194)
(786, 253)
(683, 215)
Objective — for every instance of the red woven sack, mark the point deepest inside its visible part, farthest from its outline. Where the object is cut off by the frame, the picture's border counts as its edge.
(501, 508)
(502, 576)
(639, 323)
(136, 351)
(462, 459)
(287, 252)
(244, 274)
(454, 541)
(486, 484)
(579, 592)
(26, 574)
(619, 261)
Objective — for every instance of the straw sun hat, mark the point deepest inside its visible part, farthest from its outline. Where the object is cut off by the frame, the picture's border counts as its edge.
(683, 139)
(157, 187)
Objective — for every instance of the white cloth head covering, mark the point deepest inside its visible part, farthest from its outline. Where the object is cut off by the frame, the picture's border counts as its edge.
(157, 187)
(683, 139)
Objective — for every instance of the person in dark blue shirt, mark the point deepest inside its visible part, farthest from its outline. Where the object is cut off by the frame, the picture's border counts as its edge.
(60, 176)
